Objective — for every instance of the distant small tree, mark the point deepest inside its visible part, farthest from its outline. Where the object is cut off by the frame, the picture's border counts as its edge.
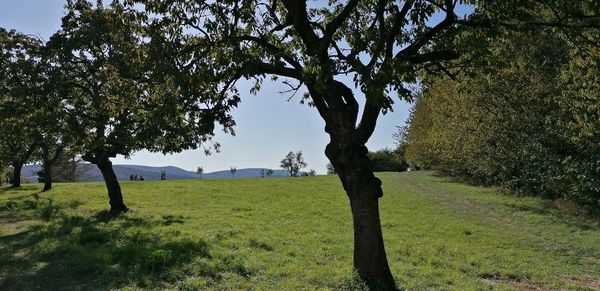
(269, 172)
(330, 169)
(69, 167)
(200, 171)
(163, 175)
(232, 170)
(312, 172)
(263, 172)
(293, 162)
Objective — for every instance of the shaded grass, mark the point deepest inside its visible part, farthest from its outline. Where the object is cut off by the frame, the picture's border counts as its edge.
(288, 233)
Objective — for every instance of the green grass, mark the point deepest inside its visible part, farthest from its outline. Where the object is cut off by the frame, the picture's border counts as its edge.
(288, 233)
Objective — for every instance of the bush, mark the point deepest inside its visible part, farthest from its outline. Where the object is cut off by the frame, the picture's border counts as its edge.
(386, 160)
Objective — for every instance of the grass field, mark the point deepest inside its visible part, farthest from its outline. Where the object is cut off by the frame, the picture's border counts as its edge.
(288, 234)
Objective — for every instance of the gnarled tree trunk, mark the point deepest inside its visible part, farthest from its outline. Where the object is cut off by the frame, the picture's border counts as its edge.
(47, 178)
(48, 162)
(112, 184)
(16, 177)
(364, 190)
(47, 167)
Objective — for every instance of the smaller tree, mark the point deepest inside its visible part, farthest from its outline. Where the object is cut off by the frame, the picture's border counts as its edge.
(232, 170)
(312, 172)
(330, 169)
(269, 172)
(293, 162)
(200, 171)
(263, 172)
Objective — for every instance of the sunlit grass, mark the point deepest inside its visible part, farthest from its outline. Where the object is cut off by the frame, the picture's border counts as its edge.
(287, 233)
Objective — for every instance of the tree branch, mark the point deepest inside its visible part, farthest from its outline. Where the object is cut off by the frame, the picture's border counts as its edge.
(297, 13)
(272, 48)
(332, 26)
(434, 56)
(412, 49)
(266, 68)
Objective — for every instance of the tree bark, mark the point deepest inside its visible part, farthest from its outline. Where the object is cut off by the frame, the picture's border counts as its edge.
(112, 184)
(47, 165)
(16, 177)
(47, 168)
(48, 162)
(370, 260)
(364, 190)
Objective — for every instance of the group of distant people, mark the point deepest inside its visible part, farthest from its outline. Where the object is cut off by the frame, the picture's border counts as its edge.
(163, 176)
(136, 178)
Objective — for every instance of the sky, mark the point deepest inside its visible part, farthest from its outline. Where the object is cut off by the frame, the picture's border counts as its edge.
(268, 125)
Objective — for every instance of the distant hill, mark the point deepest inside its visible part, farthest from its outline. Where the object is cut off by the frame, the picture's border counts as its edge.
(92, 174)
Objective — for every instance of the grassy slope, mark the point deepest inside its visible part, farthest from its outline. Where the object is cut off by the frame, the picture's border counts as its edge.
(287, 233)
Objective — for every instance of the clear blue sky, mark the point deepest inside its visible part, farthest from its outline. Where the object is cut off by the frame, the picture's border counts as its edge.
(268, 126)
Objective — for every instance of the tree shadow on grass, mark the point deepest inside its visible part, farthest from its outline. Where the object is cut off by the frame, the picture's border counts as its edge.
(26, 187)
(547, 210)
(64, 249)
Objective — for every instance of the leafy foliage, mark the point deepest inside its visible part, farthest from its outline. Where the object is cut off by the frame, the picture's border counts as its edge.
(524, 122)
(293, 163)
(386, 160)
(20, 79)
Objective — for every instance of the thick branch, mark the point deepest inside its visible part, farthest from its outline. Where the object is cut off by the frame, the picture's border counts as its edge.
(412, 49)
(265, 68)
(297, 13)
(399, 19)
(368, 121)
(434, 56)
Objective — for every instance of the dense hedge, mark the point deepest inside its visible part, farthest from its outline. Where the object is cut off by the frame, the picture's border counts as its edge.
(386, 160)
(528, 121)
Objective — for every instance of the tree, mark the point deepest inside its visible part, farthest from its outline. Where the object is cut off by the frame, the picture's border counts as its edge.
(330, 169)
(51, 131)
(232, 170)
(269, 172)
(293, 162)
(19, 59)
(381, 46)
(200, 171)
(263, 172)
(69, 167)
(31, 103)
(100, 60)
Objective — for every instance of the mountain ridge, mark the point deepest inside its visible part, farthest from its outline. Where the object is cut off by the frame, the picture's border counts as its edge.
(124, 171)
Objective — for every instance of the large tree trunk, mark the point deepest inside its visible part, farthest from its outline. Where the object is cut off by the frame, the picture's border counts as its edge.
(370, 259)
(112, 184)
(16, 177)
(47, 176)
(364, 190)
(47, 165)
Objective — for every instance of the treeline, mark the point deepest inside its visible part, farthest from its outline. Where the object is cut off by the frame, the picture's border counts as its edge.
(527, 119)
